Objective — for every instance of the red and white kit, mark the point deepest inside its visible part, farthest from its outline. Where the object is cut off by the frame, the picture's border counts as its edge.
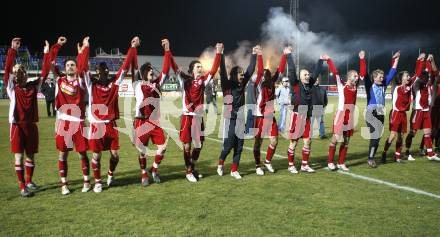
(147, 108)
(265, 121)
(70, 106)
(23, 107)
(193, 89)
(343, 123)
(104, 109)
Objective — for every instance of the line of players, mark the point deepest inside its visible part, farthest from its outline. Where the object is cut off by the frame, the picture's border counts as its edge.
(102, 134)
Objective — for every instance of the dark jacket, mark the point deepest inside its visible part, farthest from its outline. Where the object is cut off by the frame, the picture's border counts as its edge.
(235, 88)
(48, 90)
(302, 94)
(319, 96)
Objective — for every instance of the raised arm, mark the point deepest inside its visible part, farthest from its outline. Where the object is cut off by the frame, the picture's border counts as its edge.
(282, 65)
(291, 69)
(166, 62)
(219, 51)
(53, 54)
(260, 68)
(316, 71)
(129, 59)
(333, 70)
(251, 67)
(46, 62)
(10, 58)
(224, 80)
(393, 69)
(363, 75)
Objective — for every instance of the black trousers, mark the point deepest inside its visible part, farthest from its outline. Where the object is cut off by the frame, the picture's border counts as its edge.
(50, 104)
(232, 141)
(375, 122)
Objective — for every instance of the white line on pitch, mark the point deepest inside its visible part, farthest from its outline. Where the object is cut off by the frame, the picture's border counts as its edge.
(353, 175)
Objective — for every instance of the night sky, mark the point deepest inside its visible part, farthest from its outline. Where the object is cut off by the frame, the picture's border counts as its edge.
(194, 24)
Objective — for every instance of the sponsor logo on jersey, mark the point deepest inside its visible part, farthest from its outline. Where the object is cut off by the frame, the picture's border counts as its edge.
(68, 89)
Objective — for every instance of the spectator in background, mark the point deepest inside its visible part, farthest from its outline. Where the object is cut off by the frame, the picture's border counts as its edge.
(211, 96)
(282, 95)
(319, 99)
(48, 90)
(251, 100)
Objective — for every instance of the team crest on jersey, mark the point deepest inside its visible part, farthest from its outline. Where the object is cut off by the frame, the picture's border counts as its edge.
(68, 89)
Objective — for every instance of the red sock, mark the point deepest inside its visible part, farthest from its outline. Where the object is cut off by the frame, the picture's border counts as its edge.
(331, 153)
(305, 156)
(96, 167)
(257, 158)
(143, 165)
(63, 168)
(342, 154)
(428, 143)
(221, 162)
(269, 153)
(234, 167)
(291, 157)
(398, 149)
(85, 166)
(387, 145)
(20, 175)
(156, 163)
(112, 165)
(29, 166)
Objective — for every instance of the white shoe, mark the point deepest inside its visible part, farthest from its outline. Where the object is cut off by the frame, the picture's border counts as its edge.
(97, 188)
(145, 182)
(31, 186)
(65, 190)
(236, 175)
(343, 167)
(86, 187)
(220, 169)
(259, 171)
(292, 170)
(26, 193)
(190, 177)
(156, 177)
(331, 166)
(306, 168)
(109, 180)
(269, 168)
(411, 158)
(434, 158)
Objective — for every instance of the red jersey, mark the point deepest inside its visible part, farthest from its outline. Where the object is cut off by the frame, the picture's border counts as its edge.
(193, 89)
(23, 107)
(347, 94)
(103, 99)
(147, 94)
(69, 94)
(402, 98)
(265, 91)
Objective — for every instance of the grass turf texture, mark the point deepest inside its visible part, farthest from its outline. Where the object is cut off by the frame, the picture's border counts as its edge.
(280, 204)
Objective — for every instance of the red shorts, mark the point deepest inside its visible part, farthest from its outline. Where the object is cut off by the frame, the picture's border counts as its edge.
(398, 121)
(266, 127)
(300, 127)
(421, 120)
(24, 137)
(104, 142)
(144, 130)
(189, 123)
(70, 133)
(435, 117)
(343, 123)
